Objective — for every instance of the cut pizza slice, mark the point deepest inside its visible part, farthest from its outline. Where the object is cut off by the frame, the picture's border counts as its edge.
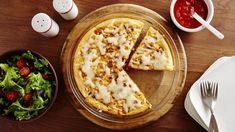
(153, 53)
(119, 37)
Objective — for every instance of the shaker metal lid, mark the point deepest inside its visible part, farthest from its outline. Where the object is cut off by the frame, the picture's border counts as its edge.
(62, 6)
(41, 22)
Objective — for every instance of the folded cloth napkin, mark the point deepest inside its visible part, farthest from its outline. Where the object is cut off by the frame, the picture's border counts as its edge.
(223, 72)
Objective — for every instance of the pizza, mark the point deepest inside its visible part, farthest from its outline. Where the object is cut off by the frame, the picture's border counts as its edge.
(98, 67)
(153, 53)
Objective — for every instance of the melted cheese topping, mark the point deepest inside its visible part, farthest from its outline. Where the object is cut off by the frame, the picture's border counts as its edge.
(153, 53)
(103, 55)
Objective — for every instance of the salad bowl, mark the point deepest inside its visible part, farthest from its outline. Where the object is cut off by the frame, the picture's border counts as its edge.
(28, 85)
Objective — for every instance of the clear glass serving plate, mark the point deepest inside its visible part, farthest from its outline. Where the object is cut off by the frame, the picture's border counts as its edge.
(159, 87)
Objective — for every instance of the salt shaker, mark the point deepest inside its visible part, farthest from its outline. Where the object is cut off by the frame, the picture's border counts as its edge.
(44, 25)
(66, 8)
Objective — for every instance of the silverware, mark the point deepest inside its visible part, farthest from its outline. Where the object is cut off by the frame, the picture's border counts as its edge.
(209, 94)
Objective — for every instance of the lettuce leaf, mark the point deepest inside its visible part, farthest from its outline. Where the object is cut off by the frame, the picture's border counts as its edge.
(4, 67)
(47, 89)
(36, 82)
(26, 113)
(40, 64)
(22, 115)
(12, 74)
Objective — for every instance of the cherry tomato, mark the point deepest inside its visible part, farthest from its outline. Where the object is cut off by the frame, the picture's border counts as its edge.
(24, 71)
(21, 63)
(28, 97)
(45, 76)
(12, 96)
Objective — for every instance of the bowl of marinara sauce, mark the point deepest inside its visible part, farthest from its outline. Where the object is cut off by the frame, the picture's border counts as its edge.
(181, 12)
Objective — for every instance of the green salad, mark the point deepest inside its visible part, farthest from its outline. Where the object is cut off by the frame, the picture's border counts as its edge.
(26, 86)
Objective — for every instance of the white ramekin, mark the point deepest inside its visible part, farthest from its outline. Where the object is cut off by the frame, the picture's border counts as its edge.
(210, 15)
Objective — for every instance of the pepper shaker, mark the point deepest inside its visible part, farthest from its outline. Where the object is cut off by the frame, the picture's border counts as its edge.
(44, 25)
(66, 8)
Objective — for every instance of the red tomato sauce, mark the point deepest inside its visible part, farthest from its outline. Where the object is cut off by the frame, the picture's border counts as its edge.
(184, 10)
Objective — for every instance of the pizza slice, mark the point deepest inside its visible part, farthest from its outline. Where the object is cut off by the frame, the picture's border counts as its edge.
(153, 53)
(116, 38)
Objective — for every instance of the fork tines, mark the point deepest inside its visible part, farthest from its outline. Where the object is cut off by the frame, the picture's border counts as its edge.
(209, 88)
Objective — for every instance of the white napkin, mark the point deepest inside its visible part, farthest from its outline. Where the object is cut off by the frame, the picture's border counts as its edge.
(223, 72)
(188, 103)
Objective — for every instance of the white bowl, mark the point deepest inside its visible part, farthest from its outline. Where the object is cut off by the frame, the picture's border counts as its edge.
(210, 15)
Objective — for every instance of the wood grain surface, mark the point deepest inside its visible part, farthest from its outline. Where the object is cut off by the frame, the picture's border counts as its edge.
(202, 49)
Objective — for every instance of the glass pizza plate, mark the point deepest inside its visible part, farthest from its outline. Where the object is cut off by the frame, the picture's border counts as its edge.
(159, 87)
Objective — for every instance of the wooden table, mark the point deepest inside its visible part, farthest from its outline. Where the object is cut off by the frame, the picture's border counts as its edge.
(202, 49)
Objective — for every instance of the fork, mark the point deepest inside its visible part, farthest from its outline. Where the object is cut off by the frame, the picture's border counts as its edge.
(209, 94)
